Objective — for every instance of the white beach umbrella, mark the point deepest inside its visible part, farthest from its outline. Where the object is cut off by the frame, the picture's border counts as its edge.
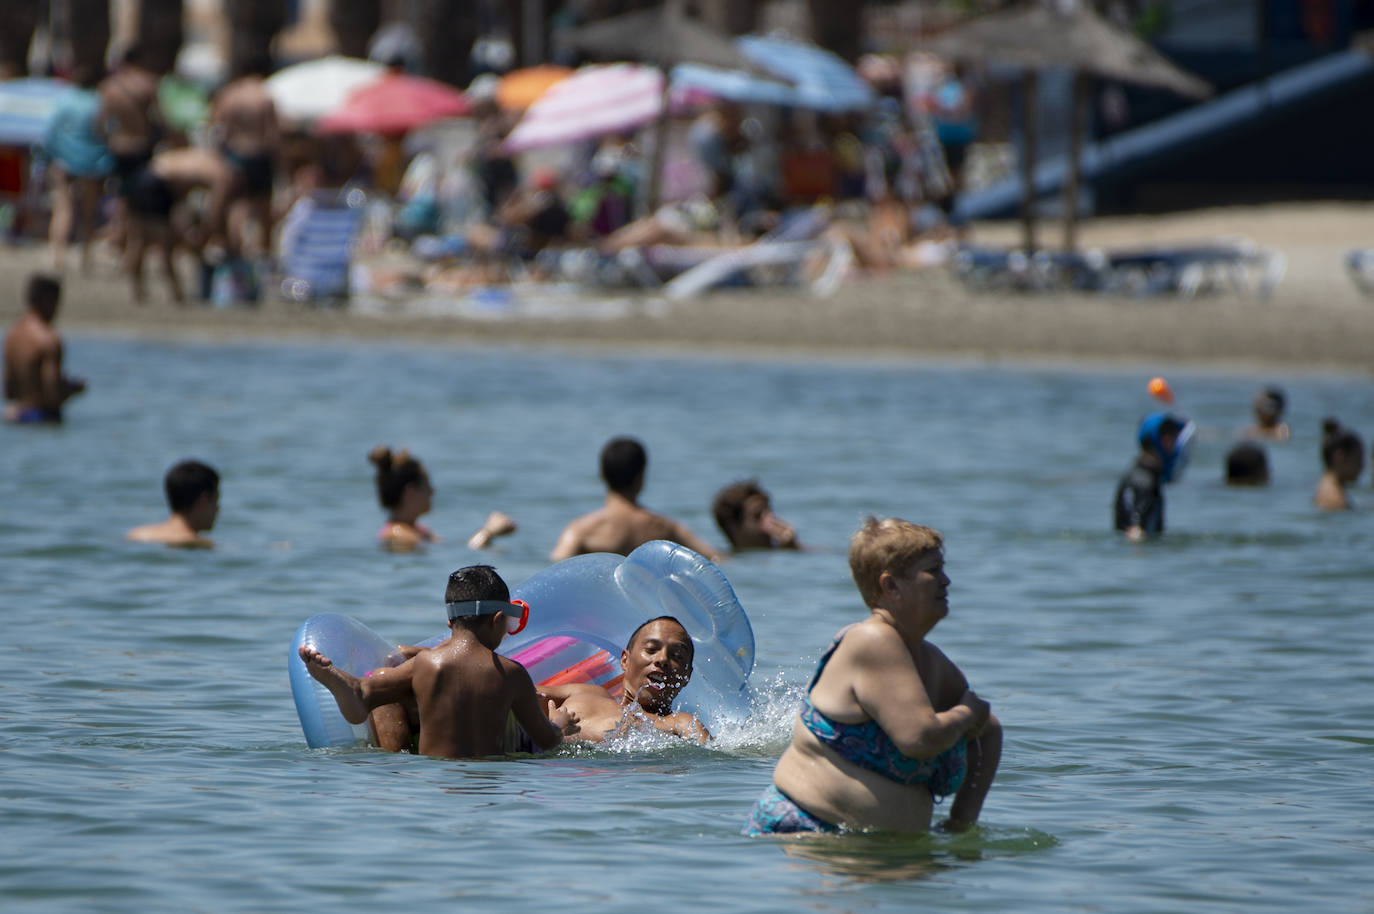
(310, 90)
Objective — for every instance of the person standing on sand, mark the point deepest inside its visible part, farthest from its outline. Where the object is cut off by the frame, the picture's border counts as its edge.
(35, 387)
(243, 121)
(131, 124)
(192, 491)
(621, 524)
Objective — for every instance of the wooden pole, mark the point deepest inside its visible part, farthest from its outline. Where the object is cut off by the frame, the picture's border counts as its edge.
(1029, 139)
(1077, 111)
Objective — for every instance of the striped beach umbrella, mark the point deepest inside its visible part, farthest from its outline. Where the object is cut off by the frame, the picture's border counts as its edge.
(25, 106)
(595, 101)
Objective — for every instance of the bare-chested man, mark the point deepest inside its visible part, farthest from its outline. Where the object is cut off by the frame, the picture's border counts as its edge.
(156, 220)
(130, 120)
(621, 524)
(658, 665)
(462, 691)
(35, 387)
(192, 490)
(243, 119)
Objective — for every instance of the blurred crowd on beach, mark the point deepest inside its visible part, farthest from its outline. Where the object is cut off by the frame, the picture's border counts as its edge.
(219, 190)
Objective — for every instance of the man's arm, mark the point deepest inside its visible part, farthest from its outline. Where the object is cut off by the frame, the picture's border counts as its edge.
(569, 543)
(54, 388)
(689, 539)
(684, 725)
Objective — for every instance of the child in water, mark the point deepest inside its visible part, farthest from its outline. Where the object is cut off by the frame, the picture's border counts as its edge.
(1139, 510)
(404, 490)
(462, 692)
(1343, 458)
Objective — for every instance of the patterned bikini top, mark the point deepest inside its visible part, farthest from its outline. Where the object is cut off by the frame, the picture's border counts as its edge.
(868, 746)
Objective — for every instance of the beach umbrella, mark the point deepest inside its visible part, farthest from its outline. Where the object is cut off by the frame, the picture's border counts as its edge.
(665, 37)
(314, 88)
(595, 101)
(815, 78)
(25, 106)
(395, 104)
(519, 89)
(1064, 34)
(820, 80)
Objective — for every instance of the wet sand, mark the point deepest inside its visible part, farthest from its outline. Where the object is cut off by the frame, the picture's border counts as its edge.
(1316, 318)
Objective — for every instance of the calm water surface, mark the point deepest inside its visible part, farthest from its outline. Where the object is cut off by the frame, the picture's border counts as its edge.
(1190, 722)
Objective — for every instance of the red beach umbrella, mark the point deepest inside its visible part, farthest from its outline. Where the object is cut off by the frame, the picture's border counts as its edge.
(395, 103)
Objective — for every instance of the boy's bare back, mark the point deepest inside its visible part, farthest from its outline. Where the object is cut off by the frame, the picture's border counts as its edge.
(464, 693)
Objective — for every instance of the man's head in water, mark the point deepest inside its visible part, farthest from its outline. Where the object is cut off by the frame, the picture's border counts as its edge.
(43, 294)
(658, 663)
(192, 491)
(623, 462)
(1247, 465)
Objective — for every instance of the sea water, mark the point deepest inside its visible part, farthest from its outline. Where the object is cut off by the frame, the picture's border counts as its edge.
(1189, 722)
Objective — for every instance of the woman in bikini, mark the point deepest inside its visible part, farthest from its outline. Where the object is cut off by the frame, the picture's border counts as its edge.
(404, 490)
(888, 726)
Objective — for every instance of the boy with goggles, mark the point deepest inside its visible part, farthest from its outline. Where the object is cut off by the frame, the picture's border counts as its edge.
(461, 693)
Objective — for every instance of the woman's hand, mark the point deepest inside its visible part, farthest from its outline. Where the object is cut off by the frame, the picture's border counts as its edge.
(981, 711)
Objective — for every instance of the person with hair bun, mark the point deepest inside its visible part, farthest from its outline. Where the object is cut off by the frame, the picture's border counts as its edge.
(404, 490)
(1343, 459)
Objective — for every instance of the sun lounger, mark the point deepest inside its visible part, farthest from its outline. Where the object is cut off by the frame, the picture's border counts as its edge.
(1189, 270)
(1359, 263)
(317, 238)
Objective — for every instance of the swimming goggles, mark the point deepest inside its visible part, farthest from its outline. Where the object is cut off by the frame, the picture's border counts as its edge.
(515, 624)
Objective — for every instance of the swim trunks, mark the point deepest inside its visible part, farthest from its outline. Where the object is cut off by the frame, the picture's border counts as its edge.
(151, 195)
(128, 166)
(255, 171)
(868, 746)
(33, 415)
(776, 814)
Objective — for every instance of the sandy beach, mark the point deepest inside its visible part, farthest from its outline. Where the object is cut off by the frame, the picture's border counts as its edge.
(1315, 319)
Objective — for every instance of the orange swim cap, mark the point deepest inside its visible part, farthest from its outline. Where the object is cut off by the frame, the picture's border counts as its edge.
(1160, 390)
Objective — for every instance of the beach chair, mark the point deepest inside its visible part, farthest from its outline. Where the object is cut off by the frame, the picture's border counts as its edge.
(985, 268)
(1236, 265)
(1359, 263)
(316, 243)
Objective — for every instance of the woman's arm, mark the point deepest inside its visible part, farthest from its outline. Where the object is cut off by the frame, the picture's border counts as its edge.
(888, 687)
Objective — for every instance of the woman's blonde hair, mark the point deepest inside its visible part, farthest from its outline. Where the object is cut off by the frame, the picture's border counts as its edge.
(892, 545)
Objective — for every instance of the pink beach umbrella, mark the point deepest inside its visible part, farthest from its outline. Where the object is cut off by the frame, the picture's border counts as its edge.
(394, 104)
(595, 101)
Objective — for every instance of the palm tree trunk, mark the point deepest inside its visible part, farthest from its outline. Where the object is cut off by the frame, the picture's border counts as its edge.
(354, 22)
(160, 33)
(252, 26)
(17, 22)
(447, 30)
(838, 26)
(88, 31)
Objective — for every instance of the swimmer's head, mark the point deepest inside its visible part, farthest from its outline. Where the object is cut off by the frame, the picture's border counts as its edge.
(889, 545)
(623, 462)
(1268, 404)
(1342, 450)
(192, 490)
(1168, 436)
(657, 662)
(43, 293)
(1247, 464)
(395, 471)
(739, 509)
(474, 583)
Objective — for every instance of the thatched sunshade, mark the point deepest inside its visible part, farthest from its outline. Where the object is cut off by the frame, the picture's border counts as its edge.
(1065, 34)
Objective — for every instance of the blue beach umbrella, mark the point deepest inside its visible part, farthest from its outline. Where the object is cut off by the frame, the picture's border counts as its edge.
(25, 106)
(821, 81)
(731, 85)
